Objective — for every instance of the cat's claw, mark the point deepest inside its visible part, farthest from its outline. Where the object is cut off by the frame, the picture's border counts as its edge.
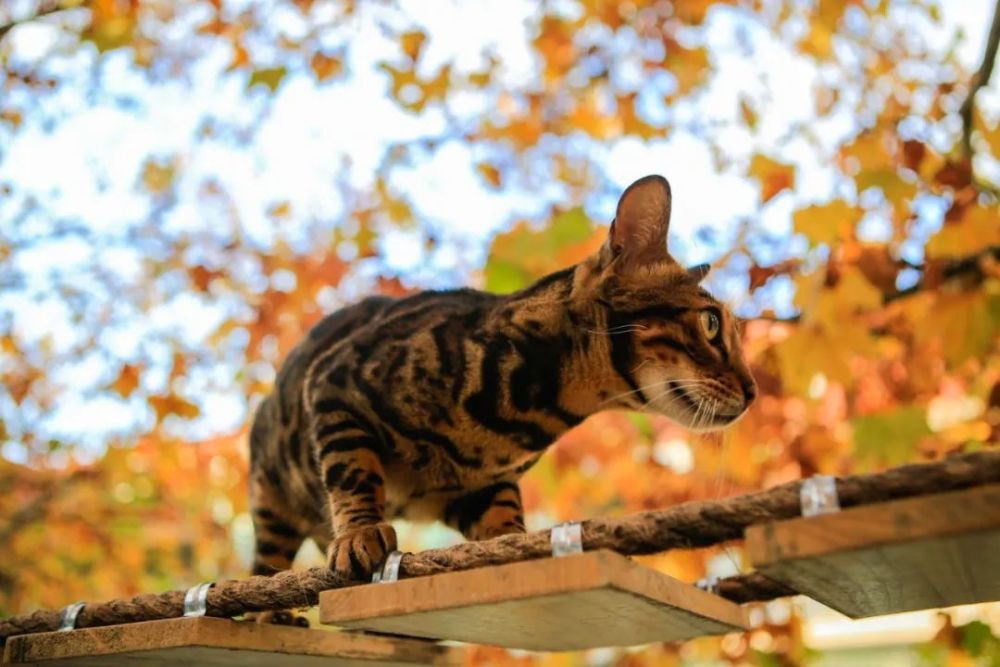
(357, 552)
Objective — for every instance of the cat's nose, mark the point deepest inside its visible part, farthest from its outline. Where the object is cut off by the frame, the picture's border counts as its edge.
(749, 390)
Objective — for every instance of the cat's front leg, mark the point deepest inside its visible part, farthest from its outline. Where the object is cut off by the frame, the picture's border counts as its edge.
(352, 470)
(488, 512)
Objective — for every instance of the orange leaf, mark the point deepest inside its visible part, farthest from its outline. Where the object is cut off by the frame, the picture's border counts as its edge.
(173, 404)
(773, 176)
(127, 380)
(325, 67)
(412, 43)
(490, 173)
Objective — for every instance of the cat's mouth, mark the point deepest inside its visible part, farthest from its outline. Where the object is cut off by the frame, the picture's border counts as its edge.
(701, 416)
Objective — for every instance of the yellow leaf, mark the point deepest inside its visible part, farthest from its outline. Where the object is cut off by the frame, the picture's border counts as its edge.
(158, 175)
(774, 176)
(689, 67)
(555, 43)
(978, 228)
(587, 117)
(280, 210)
(748, 113)
(826, 223)
(819, 41)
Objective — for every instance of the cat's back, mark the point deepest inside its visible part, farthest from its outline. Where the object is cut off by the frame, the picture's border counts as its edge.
(378, 321)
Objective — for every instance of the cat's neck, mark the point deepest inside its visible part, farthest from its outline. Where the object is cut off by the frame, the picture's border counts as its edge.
(553, 339)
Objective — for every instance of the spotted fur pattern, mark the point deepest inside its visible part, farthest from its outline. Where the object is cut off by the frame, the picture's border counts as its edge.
(432, 406)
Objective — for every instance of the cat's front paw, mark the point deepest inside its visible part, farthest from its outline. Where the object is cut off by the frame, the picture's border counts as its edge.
(357, 552)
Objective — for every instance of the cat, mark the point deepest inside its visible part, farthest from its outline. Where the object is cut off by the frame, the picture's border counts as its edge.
(433, 405)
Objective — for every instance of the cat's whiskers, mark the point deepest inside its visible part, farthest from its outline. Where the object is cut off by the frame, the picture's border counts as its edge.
(682, 385)
(684, 382)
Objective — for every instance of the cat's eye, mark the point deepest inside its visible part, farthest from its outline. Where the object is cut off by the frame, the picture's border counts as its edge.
(709, 324)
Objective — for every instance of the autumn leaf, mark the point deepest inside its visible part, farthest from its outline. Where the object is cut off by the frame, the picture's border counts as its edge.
(202, 276)
(689, 67)
(127, 380)
(326, 67)
(774, 176)
(889, 438)
(279, 210)
(827, 223)
(523, 254)
(268, 77)
(489, 173)
(412, 43)
(172, 404)
(978, 228)
(158, 175)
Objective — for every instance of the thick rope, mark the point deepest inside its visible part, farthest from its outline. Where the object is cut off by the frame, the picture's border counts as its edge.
(693, 524)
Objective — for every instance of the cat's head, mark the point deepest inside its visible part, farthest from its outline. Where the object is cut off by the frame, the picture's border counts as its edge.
(672, 348)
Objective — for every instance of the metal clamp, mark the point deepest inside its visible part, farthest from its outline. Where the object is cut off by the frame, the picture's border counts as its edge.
(709, 584)
(390, 569)
(818, 495)
(195, 600)
(567, 539)
(67, 620)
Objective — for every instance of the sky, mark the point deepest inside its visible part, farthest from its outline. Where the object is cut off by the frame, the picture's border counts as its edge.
(87, 165)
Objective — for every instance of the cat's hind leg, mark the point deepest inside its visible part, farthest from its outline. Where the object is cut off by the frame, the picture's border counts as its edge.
(277, 538)
(488, 512)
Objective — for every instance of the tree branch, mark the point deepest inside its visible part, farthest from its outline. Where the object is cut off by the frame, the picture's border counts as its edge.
(980, 79)
(45, 8)
(966, 266)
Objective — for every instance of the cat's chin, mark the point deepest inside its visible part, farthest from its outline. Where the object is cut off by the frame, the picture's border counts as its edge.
(699, 423)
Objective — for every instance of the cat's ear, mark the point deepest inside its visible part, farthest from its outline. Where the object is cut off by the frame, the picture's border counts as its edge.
(638, 235)
(698, 273)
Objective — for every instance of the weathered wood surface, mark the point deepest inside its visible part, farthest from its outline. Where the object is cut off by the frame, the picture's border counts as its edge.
(918, 553)
(217, 642)
(588, 600)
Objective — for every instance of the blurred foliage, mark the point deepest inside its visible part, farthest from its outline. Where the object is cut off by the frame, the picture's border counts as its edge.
(891, 354)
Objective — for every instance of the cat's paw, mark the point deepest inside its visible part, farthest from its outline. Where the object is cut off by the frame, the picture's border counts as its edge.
(357, 552)
(278, 617)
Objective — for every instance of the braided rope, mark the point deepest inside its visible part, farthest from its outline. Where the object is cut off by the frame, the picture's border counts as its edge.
(693, 524)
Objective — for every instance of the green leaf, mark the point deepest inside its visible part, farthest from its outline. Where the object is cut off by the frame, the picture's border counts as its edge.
(523, 255)
(269, 77)
(977, 638)
(889, 438)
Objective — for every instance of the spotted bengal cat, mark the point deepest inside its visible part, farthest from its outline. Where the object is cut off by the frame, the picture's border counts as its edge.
(433, 405)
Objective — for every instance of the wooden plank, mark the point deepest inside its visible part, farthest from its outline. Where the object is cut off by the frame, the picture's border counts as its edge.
(218, 642)
(575, 602)
(917, 553)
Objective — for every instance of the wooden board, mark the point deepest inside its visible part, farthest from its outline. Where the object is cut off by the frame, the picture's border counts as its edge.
(917, 553)
(218, 642)
(575, 602)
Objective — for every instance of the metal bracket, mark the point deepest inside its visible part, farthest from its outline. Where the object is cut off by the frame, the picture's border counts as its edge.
(195, 600)
(566, 539)
(818, 495)
(67, 620)
(390, 569)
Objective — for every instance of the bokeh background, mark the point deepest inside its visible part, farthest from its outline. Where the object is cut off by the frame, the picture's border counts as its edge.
(186, 186)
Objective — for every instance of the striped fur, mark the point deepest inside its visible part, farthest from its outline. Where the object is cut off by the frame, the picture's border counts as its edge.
(432, 406)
